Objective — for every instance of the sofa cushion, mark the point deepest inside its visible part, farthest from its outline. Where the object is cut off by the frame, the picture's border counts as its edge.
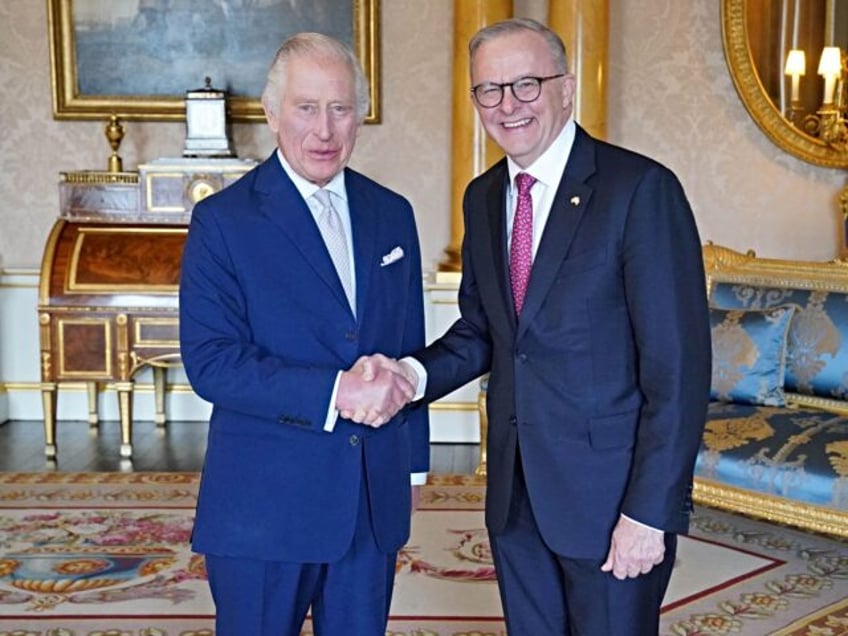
(798, 453)
(749, 354)
(817, 346)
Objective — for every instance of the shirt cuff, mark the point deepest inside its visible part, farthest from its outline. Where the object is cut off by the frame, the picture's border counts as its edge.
(332, 412)
(418, 479)
(639, 523)
(421, 372)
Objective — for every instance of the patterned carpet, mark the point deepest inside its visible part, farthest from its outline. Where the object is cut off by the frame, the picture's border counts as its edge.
(89, 554)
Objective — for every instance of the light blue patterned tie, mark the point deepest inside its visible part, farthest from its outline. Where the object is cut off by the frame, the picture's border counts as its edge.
(333, 233)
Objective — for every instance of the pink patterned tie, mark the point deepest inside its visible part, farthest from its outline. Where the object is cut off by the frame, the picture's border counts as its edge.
(521, 248)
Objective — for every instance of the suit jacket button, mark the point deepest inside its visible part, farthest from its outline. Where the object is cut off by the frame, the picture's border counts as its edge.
(513, 421)
(350, 336)
(354, 440)
(522, 357)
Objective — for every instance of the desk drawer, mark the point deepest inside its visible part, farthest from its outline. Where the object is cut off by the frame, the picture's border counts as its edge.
(156, 333)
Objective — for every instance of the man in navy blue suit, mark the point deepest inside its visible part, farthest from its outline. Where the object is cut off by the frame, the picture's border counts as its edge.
(583, 295)
(288, 277)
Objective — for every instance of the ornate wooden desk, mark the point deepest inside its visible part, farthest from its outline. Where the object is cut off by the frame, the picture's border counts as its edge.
(109, 281)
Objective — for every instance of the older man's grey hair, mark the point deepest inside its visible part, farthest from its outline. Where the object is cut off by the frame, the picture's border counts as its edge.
(515, 25)
(317, 46)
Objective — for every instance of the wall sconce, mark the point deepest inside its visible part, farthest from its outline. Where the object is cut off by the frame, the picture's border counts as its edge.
(796, 66)
(828, 123)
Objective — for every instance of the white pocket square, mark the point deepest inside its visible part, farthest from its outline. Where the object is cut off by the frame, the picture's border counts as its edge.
(395, 255)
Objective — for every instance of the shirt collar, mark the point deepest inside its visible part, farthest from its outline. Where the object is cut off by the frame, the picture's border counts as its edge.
(550, 165)
(307, 188)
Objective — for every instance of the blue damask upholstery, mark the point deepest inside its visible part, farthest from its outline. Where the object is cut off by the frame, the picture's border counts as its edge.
(788, 463)
(817, 346)
(796, 453)
(749, 354)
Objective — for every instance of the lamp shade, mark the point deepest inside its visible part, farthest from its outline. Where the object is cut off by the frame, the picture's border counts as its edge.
(830, 62)
(796, 63)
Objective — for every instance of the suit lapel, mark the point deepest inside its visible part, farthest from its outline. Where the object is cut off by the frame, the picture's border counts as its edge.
(281, 202)
(569, 206)
(364, 223)
(496, 220)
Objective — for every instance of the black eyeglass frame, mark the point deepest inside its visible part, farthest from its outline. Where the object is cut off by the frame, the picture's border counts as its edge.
(511, 85)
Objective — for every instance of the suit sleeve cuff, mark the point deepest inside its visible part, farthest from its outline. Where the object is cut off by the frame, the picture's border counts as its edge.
(639, 523)
(418, 479)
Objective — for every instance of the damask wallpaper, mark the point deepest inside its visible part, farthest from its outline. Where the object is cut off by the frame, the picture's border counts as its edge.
(670, 96)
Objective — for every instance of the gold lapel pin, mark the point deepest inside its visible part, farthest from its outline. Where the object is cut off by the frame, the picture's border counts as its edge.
(575, 201)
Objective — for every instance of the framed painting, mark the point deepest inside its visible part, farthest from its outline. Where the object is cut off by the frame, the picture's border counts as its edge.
(137, 58)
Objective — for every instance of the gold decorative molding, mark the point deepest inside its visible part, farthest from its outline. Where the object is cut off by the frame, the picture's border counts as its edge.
(737, 52)
(122, 100)
(106, 369)
(771, 508)
(167, 360)
(95, 177)
(47, 262)
(453, 406)
(812, 401)
(143, 326)
(82, 387)
(727, 265)
(46, 364)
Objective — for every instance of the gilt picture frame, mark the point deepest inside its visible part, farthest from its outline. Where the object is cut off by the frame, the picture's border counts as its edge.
(137, 58)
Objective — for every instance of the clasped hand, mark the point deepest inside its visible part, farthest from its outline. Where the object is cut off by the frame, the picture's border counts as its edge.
(374, 389)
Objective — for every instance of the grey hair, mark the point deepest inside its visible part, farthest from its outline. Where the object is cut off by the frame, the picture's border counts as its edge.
(313, 45)
(514, 25)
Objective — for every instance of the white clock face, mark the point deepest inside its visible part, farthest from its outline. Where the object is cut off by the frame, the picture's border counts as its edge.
(205, 119)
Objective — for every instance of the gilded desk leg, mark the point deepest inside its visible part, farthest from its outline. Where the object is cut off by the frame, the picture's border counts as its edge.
(93, 412)
(159, 377)
(480, 471)
(48, 401)
(124, 390)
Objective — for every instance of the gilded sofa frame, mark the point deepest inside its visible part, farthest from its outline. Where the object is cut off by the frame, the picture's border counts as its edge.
(725, 265)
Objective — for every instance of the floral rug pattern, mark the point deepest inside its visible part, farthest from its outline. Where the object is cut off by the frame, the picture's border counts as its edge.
(816, 572)
(91, 554)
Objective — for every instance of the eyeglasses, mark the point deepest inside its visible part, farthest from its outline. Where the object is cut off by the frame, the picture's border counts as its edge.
(525, 89)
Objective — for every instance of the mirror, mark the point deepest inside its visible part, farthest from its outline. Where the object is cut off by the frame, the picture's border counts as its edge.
(758, 36)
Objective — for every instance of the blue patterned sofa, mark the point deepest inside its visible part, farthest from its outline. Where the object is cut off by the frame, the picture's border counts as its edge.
(776, 440)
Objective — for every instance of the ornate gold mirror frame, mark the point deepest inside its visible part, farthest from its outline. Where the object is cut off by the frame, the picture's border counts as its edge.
(737, 52)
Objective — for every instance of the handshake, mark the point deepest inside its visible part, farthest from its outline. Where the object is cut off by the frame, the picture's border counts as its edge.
(374, 389)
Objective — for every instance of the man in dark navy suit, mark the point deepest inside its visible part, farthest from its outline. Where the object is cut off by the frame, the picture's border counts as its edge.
(289, 276)
(583, 295)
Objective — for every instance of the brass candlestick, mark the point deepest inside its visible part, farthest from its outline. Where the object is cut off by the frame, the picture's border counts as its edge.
(115, 134)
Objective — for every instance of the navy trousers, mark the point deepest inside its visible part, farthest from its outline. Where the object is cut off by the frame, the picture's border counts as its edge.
(547, 594)
(266, 598)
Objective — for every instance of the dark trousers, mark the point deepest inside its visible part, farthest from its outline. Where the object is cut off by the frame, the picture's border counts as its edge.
(267, 598)
(546, 594)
